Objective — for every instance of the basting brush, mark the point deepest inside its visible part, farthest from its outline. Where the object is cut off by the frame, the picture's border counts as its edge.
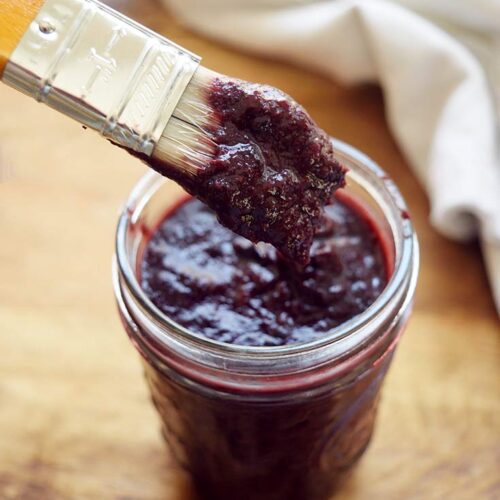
(249, 151)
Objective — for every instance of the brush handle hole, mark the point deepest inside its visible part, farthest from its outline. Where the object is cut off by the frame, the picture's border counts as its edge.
(46, 27)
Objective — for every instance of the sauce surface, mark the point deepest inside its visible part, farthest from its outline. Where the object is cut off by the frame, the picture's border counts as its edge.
(218, 284)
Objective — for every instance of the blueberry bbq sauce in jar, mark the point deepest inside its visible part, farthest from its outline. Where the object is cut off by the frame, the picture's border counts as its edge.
(220, 285)
(267, 373)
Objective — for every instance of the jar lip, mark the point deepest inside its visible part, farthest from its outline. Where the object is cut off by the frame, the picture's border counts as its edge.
(405, 259)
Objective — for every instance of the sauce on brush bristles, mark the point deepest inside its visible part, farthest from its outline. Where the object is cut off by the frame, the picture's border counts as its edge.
(255, 157)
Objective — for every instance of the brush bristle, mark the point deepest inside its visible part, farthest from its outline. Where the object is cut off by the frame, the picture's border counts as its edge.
(187, 142)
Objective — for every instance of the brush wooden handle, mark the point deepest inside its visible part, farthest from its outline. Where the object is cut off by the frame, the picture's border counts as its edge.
(15, 18)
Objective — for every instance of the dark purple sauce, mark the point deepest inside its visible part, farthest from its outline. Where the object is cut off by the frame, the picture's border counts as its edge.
(273, 169)
(297, 447)
(220, 285)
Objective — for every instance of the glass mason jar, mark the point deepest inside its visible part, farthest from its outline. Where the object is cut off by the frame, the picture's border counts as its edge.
(268, 423)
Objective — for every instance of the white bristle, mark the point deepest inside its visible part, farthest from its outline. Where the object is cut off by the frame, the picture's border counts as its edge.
(185, 146)
(187, 141)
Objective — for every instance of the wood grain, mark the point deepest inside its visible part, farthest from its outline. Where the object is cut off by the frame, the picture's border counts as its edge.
(15, 17)
(75, 418)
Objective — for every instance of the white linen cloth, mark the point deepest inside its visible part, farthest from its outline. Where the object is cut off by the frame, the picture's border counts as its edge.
(438, 63)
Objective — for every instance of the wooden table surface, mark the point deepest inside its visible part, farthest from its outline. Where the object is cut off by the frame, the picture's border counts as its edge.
(75, 418)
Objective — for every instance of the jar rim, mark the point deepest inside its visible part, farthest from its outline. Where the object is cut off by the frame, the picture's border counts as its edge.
(380, 187)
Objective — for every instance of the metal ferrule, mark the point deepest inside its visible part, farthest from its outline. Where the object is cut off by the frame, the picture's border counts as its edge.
(104, 70)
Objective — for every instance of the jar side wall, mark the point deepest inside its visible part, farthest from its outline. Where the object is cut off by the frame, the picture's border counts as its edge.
(299, 445)
(299, 448)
